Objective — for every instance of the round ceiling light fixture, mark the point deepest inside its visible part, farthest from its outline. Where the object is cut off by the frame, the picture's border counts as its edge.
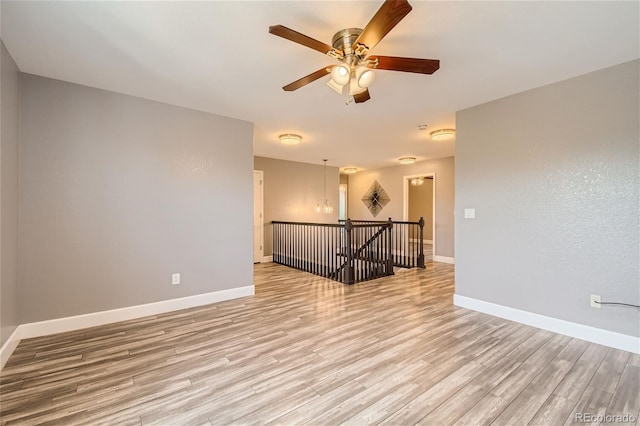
(350, 170)
(407, 160)
(442, 134)
(290, 139)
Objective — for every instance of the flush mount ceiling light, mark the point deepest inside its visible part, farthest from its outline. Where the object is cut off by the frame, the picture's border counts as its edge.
(349, 170)
(290, 139)
(407, 160)
(442, 134)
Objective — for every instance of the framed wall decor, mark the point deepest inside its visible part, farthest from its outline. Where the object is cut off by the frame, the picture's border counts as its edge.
(375, 198)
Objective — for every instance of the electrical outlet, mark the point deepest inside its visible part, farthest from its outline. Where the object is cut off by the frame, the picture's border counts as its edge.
(175, 279)
(595, 301)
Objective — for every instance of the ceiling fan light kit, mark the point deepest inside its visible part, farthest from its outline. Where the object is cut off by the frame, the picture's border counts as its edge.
(341, 74)
(290, 139)
(442, 134)
(350, 46)
(335, 86)
(364, 76)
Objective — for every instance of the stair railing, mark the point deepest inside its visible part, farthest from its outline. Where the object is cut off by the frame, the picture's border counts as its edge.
(345, 252)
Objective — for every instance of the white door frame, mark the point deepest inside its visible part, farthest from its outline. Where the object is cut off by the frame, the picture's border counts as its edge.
(261, 174)
(405, 201)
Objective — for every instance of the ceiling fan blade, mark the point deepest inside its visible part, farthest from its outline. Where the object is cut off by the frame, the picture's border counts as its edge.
(387, 17)
(307, 79)
(362, 97)
(393, 63)
(302, 39)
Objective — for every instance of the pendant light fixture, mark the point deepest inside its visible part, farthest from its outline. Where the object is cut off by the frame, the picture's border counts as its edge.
(324, 205)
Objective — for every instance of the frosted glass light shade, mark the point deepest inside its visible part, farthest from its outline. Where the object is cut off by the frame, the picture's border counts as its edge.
(407, 160)
(290, 139)
(341, 74)
(354, 89)
(364, 76)
(335, 86)
(442, 134)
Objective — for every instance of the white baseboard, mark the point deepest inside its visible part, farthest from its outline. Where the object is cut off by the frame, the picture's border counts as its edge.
(444, 259)
(9, 346)
(61, 325)
(417, 240)
(567, 328)
(267, 259)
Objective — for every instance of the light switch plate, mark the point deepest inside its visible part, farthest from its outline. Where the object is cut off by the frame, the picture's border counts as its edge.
(175, 279)
(469, 213)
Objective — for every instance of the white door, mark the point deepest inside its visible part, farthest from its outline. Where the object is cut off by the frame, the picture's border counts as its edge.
(258, 229)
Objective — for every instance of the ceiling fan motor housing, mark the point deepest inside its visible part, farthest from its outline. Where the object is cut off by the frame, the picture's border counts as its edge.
(344, 39)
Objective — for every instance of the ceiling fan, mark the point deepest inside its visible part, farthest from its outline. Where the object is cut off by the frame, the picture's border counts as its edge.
(350, 46)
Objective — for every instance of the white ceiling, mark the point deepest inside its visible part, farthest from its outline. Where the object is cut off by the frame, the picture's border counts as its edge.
(219, 57)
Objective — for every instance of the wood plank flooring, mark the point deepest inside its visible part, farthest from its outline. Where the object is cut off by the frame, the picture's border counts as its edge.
(307, 350)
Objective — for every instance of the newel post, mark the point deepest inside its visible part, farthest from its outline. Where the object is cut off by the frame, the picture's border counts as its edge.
(421, 244)
(389, 253)
(348, 271)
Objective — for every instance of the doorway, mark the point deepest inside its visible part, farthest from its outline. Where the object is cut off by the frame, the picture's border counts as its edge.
(419, 200)
(343, 212)
(258, 215)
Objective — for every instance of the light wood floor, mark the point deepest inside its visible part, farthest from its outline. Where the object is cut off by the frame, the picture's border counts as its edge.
(308, 350)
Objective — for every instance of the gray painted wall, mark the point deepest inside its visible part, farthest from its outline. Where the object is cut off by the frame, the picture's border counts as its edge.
(553, 175)
(391, 179)
(9, 123)
(119, 192)
(292, 191)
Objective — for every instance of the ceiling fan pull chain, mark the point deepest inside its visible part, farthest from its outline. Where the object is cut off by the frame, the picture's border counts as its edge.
(347, 88)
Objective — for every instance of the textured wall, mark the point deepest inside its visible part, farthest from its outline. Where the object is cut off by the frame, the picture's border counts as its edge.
(553, 175)
(9, 123)
(292, 191)
(119, 192)
(391, 179)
